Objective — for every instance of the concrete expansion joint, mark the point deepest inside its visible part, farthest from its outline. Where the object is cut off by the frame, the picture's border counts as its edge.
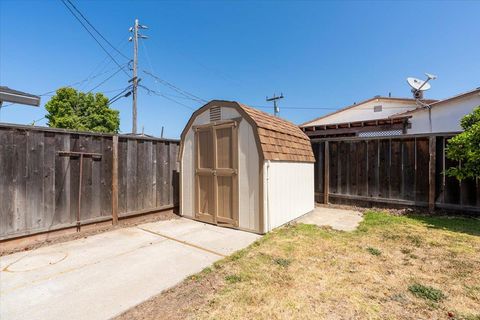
(186, 243)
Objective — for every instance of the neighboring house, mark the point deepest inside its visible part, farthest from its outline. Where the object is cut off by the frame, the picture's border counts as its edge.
(15, 96)
(444, 116)
(385, 116)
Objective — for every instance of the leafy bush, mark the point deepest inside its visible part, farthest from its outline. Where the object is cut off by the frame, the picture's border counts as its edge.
(465, 148)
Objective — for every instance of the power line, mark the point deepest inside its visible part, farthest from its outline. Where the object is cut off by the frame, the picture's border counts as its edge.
(105, 62)
(165, 97)
(119, 95)
(98, 32)
(91, 34)
(185, 93)
(111, 76)
(48, 93)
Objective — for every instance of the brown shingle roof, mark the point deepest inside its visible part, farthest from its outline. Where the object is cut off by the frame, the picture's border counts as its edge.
(280, 139)
(277, 139)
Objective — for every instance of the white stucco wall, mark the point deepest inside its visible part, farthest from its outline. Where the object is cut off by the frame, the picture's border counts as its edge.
(445, 116)
(248, 171)
(288, 191)
(365, 111)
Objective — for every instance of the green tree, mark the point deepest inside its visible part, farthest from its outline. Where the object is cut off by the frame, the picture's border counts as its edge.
(465, 148)
(71, 109)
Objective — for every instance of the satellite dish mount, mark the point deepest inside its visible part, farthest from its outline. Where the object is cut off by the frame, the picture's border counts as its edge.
(419, 86)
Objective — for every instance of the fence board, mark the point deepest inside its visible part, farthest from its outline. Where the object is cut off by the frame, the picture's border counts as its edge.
(396, 169)
(122, 175)
(362, 169)
(132, 188)
(343, 167)
(333, 167)
(62, 181)
(49, 179)
(352, 163)
(384, 169)
(163, 194)
(6, 189)
(20, 180)
(408, 172)
(373, 170)
(422, 170)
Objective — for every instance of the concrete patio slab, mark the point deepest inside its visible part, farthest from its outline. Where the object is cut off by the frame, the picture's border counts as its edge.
(103, 275)
(339, 219)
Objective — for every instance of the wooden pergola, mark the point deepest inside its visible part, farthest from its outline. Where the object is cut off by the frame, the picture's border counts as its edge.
(352, 129)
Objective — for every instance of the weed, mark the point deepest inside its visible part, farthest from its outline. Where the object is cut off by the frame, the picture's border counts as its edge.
(207, 270)
(415, 239)
(237, 255)
(282, 262)
(233, 278)
(374, 251)
(405, 250)
(426, 292)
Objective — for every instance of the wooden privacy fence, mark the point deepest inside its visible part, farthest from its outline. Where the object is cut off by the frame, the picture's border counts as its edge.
(402, 170)
(52, 179)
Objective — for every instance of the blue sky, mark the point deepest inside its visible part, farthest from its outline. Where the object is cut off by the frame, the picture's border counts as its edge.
(319, 54)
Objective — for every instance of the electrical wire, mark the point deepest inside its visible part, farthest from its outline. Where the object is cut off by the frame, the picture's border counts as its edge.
(98, 32)
(99, 68)
(119, 95)
(48, 93)
(111, 76)
(149, 91)
(184, 93)
(91, 34)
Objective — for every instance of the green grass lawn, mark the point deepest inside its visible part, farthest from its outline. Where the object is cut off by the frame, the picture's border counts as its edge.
(392, 267)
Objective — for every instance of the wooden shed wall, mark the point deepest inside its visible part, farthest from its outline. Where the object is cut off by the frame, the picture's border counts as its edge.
(39, 187)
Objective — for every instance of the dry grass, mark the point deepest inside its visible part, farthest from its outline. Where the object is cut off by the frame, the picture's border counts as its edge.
(390, 268)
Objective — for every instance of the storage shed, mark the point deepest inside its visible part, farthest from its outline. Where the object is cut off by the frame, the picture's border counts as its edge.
(244, 168)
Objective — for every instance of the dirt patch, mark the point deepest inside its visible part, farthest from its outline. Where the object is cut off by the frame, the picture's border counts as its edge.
(181, 301)
(37, 241)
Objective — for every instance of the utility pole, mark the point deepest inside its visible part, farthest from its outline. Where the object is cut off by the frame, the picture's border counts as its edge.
(276, 110)
(135, 79)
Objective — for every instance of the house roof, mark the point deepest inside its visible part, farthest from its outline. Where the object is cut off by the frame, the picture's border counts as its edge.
(440, 102)
(379, 98)
(277, 139)
(15, 96)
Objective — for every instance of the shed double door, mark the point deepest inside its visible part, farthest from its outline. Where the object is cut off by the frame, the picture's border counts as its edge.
(216, 186)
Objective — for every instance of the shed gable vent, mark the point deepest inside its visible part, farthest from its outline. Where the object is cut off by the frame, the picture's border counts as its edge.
(215, 114)
(377, 108)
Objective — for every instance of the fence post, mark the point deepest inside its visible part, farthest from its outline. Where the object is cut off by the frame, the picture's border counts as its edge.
(326, 173)
(115, 179)
(431, 174)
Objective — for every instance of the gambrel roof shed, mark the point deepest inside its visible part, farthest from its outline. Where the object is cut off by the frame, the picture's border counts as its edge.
(239, 164)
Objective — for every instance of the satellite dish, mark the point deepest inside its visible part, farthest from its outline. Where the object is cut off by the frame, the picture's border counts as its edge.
(418, 85)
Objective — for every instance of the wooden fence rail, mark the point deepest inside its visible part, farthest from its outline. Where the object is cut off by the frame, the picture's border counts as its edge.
(401, 170)
(42, 169)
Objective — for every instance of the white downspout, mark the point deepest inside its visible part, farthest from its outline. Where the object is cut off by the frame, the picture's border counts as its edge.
(268, 200)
